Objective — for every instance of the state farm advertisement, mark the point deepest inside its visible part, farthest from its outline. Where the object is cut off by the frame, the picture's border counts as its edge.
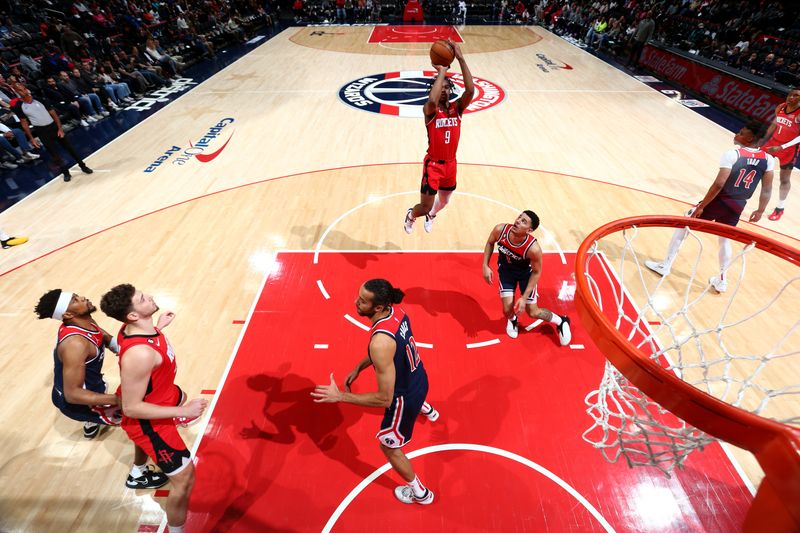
(722, 89)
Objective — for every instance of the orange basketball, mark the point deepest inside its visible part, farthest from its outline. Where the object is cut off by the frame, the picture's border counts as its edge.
(442, 53)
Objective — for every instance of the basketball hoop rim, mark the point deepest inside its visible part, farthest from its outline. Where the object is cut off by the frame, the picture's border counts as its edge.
(775, 445)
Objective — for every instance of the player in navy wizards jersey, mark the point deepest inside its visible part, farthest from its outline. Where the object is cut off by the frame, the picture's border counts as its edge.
(741, 169)
(79, 390)
(402, 382)
(519, 262)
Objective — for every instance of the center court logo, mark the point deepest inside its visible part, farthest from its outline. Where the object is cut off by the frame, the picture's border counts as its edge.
(404, 93)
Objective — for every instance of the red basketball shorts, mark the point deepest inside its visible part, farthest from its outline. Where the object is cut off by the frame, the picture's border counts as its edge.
(160, 441)
(438, 175)
(786, 157)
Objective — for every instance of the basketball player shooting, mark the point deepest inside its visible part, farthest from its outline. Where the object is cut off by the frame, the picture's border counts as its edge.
(443, 122)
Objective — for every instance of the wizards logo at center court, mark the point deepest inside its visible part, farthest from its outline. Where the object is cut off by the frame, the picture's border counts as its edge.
(404, 93)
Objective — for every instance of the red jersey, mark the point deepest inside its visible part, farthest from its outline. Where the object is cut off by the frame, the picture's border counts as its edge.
(511, 254)
(788, 125)
(162, 389)
(444, 130)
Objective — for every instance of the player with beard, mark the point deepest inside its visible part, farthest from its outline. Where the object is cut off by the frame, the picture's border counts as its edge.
(79, 390)
(152, 403)
(402, 382)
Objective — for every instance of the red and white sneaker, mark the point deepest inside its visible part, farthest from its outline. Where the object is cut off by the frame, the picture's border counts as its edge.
(777, 214)
(405, 494)
(186, 421)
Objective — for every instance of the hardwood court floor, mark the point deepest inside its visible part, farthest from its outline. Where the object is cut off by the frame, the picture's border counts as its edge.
(580, 146)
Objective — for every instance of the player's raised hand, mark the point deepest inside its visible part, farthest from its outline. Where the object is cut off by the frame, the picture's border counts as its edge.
(456, 49)
(327, 393)
(165, 319)
(487, 274)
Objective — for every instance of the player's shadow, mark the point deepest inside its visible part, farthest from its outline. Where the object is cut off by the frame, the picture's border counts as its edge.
(289, 410)
(464, 309)
(338, 240)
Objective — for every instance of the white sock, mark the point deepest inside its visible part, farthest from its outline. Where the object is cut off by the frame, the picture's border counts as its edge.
(417, 487)
(138, 470)
(674, 246)
(426, 408)
(175, 529)
(780, 204)
(555, 319)
(725, 253)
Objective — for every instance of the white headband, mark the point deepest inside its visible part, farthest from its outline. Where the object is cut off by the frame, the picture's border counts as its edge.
(61, 306)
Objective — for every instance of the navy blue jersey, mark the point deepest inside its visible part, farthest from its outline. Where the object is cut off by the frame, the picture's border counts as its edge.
(93, 379)
(410, 376)
(746, 173)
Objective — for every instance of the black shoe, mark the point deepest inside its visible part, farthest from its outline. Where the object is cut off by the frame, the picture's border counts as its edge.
(67, 175)
(91, 430)
(151, 479)
(85, 169)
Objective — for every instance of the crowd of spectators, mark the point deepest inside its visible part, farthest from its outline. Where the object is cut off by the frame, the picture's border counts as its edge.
(89, 59)
(761, 37)
(758, 37)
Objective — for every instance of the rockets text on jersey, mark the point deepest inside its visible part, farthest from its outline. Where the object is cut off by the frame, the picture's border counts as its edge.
(444, 131)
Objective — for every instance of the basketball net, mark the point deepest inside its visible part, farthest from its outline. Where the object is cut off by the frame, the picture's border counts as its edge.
(684, 326)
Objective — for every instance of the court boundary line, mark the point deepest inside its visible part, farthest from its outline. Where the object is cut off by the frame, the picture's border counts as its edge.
(349, 167)
(231, 358)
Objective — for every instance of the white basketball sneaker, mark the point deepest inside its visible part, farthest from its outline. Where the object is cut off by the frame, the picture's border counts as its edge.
(432, 415)
(512, 329)
(428, 224)
(408, 224)
(564, 331)
(720, 285)
(405, 494)
(659, 268)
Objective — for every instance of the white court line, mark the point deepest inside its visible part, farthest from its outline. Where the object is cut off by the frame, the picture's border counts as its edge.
(320, 346)
(484, 343)
(207, 415)
(476, 448)
(577, 346)
(382, 44)
(356, 322)
(322, 290)
(533, 325)
(424, 345)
